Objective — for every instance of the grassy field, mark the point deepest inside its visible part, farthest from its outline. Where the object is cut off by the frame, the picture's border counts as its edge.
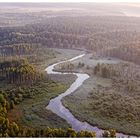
(59, 55)
(103, 109)
(106, 104)
(32, 112)
(97, 101)
(88, 62)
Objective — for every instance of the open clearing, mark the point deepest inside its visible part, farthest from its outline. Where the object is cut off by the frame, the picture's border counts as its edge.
(32, 112)
(101, 103)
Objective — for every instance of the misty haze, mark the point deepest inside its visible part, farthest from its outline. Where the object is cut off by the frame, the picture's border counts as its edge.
(70, 70)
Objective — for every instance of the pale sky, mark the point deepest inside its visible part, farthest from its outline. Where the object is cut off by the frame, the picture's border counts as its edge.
(105, 1)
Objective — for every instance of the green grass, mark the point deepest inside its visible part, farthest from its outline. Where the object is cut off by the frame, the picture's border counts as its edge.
(33, 112)
(105, 107)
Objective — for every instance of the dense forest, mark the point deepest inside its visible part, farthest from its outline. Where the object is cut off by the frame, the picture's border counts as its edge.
(8, 129)
(25, 40)
(19, 72)
(11, 129)
(107, 36)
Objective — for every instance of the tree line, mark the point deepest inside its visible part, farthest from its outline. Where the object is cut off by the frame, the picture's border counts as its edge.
(17, 49)
(11, 129)
(18, 72)
(102, 36)
(125, 73)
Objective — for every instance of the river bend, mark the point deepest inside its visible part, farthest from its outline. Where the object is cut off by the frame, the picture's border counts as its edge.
(56, 106)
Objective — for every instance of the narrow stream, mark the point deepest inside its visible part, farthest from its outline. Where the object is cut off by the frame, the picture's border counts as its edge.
(56, 106)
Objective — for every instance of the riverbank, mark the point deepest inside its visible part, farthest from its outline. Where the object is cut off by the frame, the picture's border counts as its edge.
(56, 106)
(87, 105)
(89, 102)
(31, 112)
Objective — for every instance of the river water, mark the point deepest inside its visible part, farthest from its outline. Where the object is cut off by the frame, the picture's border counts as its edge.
(56, 106)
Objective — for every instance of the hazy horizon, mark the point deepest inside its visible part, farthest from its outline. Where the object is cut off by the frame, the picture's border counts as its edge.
(70, 68)
(74, 1)
(116, 9)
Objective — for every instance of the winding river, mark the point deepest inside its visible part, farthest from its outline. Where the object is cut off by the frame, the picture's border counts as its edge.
(56, 106)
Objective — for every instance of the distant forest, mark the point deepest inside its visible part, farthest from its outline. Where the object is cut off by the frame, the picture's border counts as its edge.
(105, 36)
(24, 41)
